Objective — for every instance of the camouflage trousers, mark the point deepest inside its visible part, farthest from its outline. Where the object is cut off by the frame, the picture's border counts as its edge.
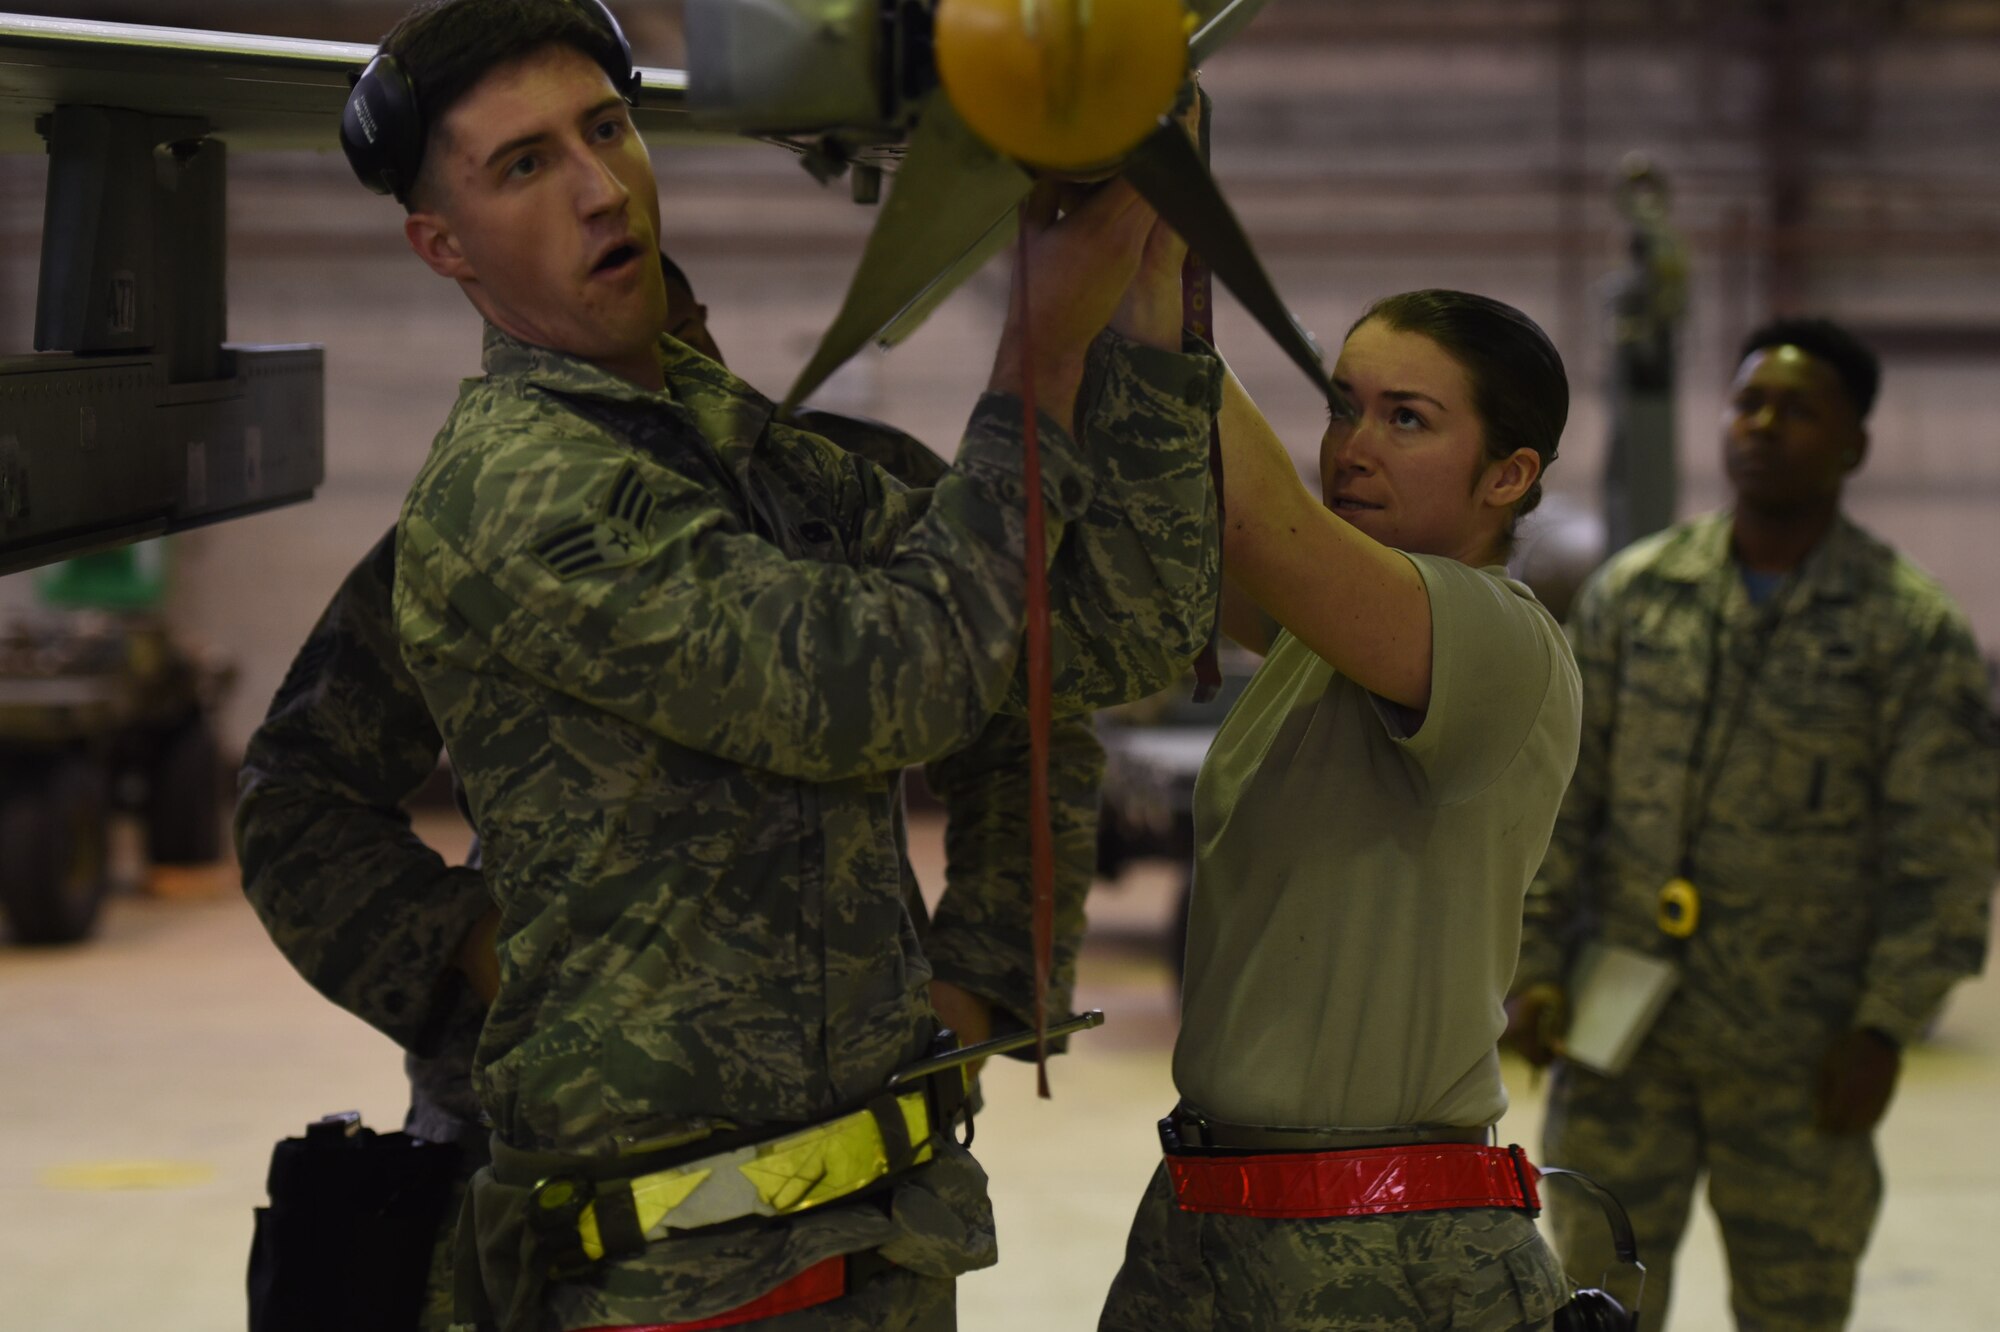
(441, 1290)
(1795, 1205)
(1474, 1270)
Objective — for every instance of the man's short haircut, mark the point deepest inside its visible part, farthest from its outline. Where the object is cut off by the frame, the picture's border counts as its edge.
(1857, 368)
(445, 47)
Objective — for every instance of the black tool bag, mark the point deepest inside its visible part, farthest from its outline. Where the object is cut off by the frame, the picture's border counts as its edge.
(347, 1240)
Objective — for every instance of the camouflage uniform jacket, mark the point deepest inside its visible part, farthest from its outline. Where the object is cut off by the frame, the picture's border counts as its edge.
(371, 916)
(678, 664)
(368, 913)
(982, 935)
(1848, 852)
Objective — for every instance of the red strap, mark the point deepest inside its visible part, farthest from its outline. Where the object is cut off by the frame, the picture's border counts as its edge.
(819, 1284)
(1369, 1182)
(1198, 318)
(1041, 847)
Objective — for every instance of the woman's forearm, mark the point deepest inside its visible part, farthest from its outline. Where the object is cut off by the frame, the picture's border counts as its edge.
(1358, 604)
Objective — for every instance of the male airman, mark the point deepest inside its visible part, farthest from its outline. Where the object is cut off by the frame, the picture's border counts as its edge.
(1787, 788)
(678, 650)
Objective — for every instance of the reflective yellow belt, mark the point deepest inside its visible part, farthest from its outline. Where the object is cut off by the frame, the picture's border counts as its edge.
(580, 1219)
(579, 1216)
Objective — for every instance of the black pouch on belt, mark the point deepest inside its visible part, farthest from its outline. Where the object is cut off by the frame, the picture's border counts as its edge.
(347, 1240)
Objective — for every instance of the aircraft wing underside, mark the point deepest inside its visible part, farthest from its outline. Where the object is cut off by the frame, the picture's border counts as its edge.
(258, 93)
(135, 416)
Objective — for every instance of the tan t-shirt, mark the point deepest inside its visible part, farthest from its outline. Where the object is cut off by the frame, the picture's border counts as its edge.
(1358, 883)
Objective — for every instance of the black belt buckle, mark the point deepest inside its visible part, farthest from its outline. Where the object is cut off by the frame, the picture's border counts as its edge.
(1180, 1132)
(1519, 1158)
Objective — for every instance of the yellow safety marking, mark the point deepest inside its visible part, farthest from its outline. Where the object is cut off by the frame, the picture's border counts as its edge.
(116, 1175)
(656, 1197)
(787, 1173)
(917, 1117)
(653, 1196)
(798, 1171)
(832, 1161)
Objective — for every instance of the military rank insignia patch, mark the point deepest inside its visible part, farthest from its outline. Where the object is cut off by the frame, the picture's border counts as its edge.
(614, 538)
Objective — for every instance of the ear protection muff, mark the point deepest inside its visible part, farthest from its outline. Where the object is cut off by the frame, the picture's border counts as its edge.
(1595, 1310)
(382, 127)
(625, 78)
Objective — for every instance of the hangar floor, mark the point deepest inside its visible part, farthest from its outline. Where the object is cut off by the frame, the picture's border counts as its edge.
(144, 1076)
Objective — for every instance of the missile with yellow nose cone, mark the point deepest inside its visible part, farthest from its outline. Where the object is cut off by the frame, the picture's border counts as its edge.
(981, 95)
(1063, 85)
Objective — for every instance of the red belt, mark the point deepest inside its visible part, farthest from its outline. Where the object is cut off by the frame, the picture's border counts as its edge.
(821, 1283)
(1370, 1181)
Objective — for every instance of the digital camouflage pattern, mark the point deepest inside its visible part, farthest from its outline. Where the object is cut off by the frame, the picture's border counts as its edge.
(982, 937)
(368, 914)
(1472, 1270)
(682, 758)
(345, 889)
(891, 1301)
(1795, 1206)
(1845, 867)
(983, 940)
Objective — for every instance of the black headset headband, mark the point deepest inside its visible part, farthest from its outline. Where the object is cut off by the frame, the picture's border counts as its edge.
(383, 130)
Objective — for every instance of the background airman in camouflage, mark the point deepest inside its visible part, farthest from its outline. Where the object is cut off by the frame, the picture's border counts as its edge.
(678, 651)
(369, 913)
(1791, 716)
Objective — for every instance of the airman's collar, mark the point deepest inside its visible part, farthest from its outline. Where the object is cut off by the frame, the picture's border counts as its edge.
(1701, 550)
(505, 356)
(1833, 566)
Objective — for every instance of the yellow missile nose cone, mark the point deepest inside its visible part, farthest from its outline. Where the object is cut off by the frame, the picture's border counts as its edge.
(1065, 85)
